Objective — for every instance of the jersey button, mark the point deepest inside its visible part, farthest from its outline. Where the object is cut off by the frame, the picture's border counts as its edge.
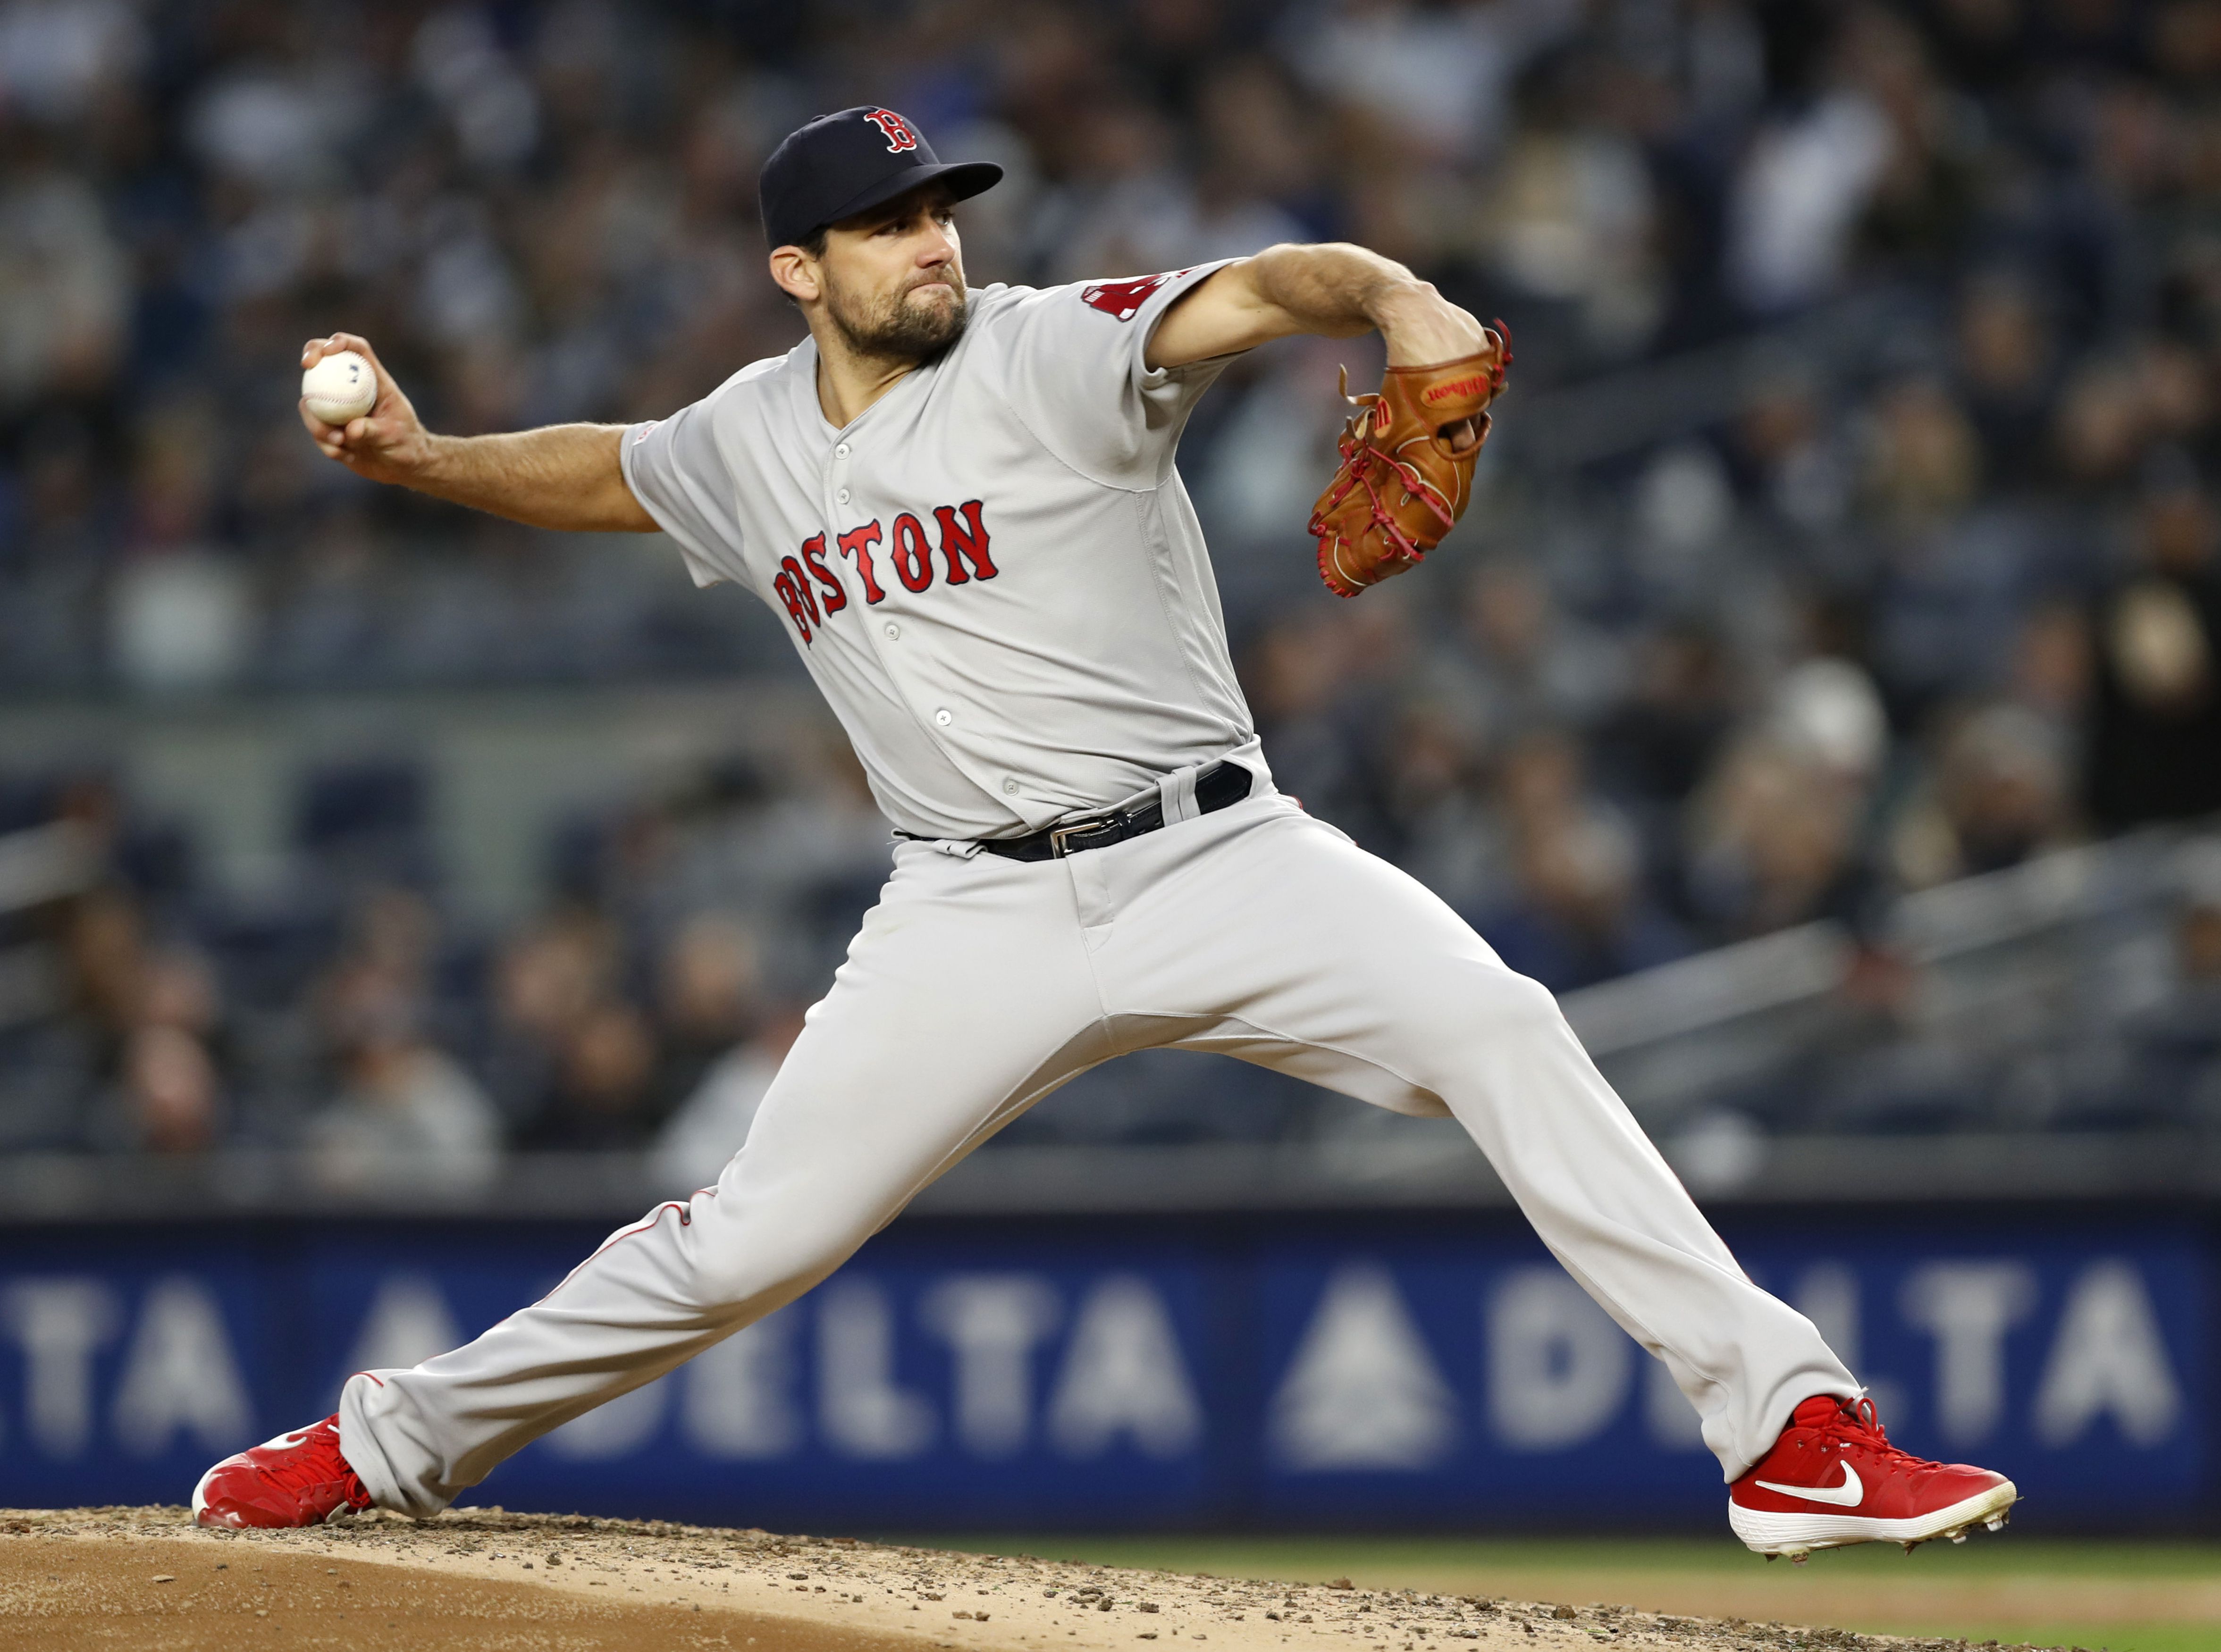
(842, 496)
(944, 716)
(893, 630)
(841, 451)
(1010, 787)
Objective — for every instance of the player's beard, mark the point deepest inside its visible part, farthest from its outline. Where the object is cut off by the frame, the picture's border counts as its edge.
(893, 329)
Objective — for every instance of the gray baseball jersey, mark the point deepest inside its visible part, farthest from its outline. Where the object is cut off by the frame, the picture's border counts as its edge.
(993, 574)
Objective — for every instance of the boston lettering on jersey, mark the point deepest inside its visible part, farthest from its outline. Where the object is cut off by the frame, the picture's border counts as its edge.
(811, 591)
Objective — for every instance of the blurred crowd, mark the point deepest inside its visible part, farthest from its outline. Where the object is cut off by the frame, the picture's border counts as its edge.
(1930, 586)
(349, 1014)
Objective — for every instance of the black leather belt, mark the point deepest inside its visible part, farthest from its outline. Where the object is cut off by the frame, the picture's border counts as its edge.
(1215, 788)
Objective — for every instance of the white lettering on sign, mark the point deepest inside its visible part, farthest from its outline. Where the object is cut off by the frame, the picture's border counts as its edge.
(993, 1325)
(57, 1323)
(861, 1411)
(1968, 1307)
(179, 1374)
(1558, 1367)
(1828, 1294)
(1123, 1377)
(616, 1429)
(1363, 1390)
(408, 1322)
(2108, 1359)
(740, 1397)
(1671, 1420)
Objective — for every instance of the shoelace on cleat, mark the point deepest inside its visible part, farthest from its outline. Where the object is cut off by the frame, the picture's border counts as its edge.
(1858, 1423)
(304, 1473)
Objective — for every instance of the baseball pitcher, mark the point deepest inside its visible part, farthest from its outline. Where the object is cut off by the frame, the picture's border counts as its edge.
(962, 505)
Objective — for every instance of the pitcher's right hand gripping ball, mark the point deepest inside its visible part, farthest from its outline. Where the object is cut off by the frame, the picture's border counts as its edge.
(1407, 462)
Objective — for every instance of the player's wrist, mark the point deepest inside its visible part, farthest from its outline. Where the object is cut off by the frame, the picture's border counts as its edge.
(1400, 304)
(1422, 328)
(431, 462)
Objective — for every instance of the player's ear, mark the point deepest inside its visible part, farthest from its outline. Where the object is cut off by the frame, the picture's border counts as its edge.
(796, 272)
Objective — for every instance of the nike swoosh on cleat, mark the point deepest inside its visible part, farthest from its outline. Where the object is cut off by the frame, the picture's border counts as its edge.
(1849, 1495)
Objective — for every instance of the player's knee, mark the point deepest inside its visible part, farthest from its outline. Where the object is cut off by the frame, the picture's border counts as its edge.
(1485, 1011)
(1521, 1004)
(759, 1259)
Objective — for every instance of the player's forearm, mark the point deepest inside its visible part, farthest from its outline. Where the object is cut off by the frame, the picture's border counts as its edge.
(1334, 289)
(565, 476)
(1338, 291)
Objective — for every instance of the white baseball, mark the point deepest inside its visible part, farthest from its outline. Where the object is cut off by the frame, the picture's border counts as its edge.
(341, 386)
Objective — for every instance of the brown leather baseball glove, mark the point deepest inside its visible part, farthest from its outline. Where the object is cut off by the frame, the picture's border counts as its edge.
(1407, 463)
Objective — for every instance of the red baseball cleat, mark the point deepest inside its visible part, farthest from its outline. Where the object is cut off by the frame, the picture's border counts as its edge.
(1833, 1478)
(296, 1479)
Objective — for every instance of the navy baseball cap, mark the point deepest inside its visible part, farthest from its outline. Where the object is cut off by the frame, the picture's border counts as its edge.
(840, 165)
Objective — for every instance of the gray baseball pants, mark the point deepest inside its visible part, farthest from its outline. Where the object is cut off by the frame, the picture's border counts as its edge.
(979, 984)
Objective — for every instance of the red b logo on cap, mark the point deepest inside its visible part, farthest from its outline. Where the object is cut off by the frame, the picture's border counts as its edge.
(897, 132)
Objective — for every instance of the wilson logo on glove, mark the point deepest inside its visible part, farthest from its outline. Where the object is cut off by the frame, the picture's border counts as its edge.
(1457, 387)
(1406, 473)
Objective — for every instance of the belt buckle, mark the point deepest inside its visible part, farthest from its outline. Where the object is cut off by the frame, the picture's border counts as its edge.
(1060, 836)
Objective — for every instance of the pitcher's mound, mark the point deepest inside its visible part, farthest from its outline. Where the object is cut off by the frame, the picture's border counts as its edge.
(485, 1580)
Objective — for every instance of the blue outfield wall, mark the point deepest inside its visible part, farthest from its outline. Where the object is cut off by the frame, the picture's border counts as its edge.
(1266, 1371)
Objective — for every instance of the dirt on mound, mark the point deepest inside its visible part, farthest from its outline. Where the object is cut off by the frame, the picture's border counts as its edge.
(486, 1580)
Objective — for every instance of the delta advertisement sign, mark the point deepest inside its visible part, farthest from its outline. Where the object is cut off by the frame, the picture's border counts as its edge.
(1277, 1376)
